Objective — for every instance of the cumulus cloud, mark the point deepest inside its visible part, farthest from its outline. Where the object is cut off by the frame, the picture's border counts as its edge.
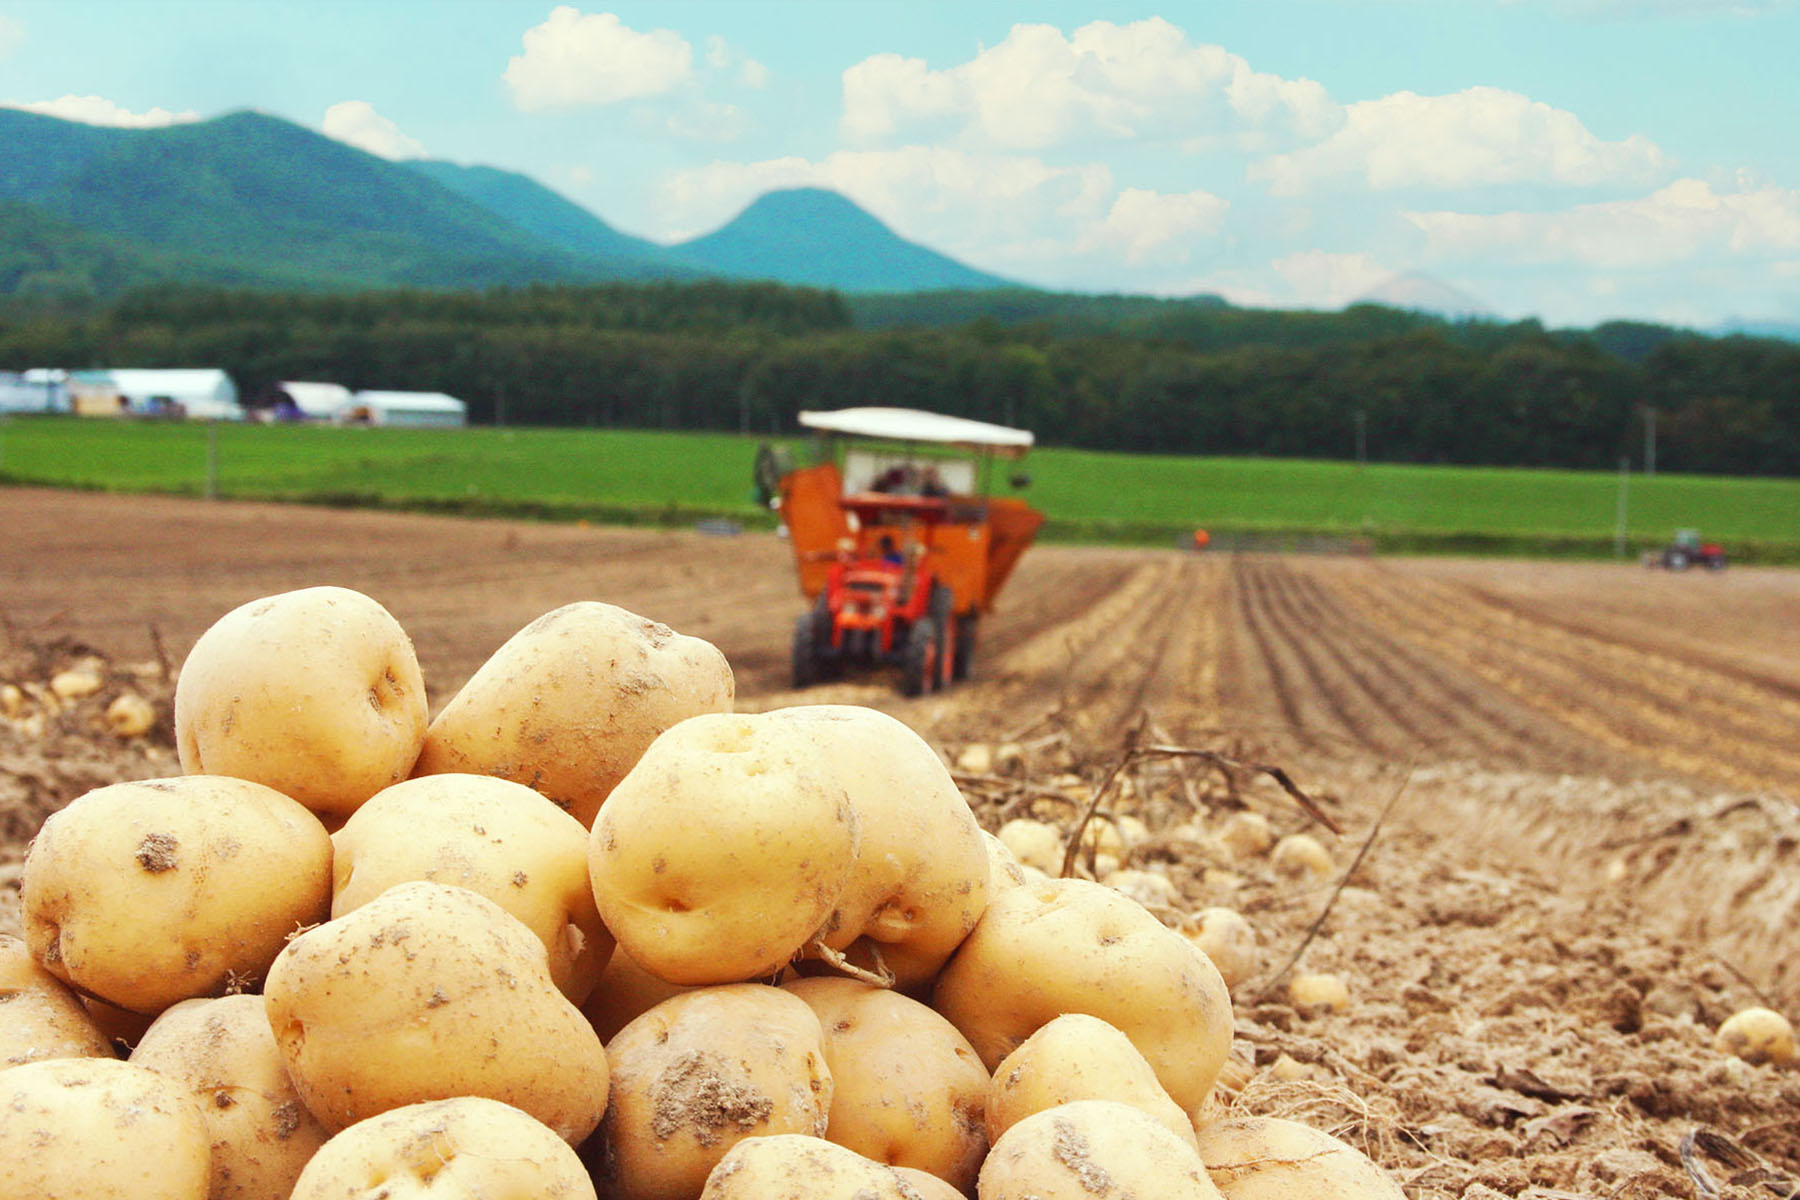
(575, 59)
(1482, 136)
(721, 56)
(97, 110)
(1143, 223)
(1678, 223)
(1039, 88)
(1318, 279)
(356, 123)
(12, 36)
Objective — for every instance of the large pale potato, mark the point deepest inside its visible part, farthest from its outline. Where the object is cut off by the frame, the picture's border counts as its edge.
(1060, 946)
(426, 992)
(1093, 1150)
(223, 1055)
(494, 837)
(463, 1148)
(723, 853)
(792, 1166)
(699, 1073)
(316, 693)
(1268, 1158)
(571, 702)
(40, 1017)
(1078, 1057)
(147, 893)
(907, 1089)
(920, 880)
(98, 1129)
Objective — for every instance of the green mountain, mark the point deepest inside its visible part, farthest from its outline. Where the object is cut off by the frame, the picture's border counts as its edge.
(817, 238)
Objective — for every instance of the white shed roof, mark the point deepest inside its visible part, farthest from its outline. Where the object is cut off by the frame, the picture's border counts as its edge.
(176, 382)
(412, 402)
(316, 399)
(914, 425)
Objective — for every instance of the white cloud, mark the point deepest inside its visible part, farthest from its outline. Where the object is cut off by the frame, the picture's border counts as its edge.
(1482, 136)
(577, 58)
(1317, 279)
(356, 123)
(12, 36)
(97, 110)
(1681, 222)
(1039, 88)
(721, 56)
(1143, 223)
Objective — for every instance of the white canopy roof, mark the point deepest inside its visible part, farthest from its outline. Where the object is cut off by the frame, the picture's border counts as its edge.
(415, 402)
(913, 425)
(316, 399)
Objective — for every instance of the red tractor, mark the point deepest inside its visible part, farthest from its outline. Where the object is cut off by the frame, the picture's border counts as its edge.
(898, 546)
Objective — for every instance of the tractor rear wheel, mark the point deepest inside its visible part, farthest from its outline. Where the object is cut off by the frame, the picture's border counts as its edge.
(919, 667)
(963, 661)
(809, 661)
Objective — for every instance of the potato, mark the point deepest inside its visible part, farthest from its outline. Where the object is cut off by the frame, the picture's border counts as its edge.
(571, 702)
(920, 879)
(1226, 938)
(1034, 843)
(1757, 1035)
(464, 1147)
(926, 1186)
(494, 837)
(1268, 1158)
(1068, 945)
(1093, 1149)
(316, 693)
(41, 1017)
(719, 858)
(98, 1129)
(907, 1088)
(1300, 855)
(426, 992)
(1319, 992)
(1078, 1057)
(147, 893)
(699, 1073)
(1146, 887)
(624, 993)
(792, 1166)
(223, 1055)
(1246, 834)
(1004, 868)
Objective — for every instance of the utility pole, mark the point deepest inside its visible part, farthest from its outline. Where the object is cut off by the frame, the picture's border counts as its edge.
(1624, 487)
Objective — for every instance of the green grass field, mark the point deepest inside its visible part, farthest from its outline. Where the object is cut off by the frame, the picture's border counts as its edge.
(640, 477)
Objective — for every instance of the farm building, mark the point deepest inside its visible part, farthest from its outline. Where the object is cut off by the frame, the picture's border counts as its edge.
(410, 410)
(34, 391)
(204, 394)
(297, 401)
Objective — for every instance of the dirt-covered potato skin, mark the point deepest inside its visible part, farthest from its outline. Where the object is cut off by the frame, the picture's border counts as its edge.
(1067, 945)
(147, 893)
(569, 704)
(466, 1146)
(99, 1129)
(699, 1073)
(793, 1166)
(431, 991)
(489, 835)
(316, 693)
(1269, 1158)
(1078, 1057)
(1091, 1148)
(223, 1053)
(40, 1016)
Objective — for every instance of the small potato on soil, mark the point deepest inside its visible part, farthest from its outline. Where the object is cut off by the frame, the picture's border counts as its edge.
(1300, 856)
(1078, 1057)
(1268, 1158)
(1757, 1035)
(1093, 1148)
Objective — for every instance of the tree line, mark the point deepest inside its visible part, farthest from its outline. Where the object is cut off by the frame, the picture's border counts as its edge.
(1119, 373)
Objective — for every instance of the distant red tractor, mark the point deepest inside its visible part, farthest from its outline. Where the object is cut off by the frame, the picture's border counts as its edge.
(898, 546)
(1687, 550)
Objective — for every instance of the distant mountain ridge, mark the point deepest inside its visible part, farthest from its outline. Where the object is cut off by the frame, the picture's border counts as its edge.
(254, 200)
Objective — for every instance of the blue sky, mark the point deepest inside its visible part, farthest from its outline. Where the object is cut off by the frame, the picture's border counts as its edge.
(1573, 160)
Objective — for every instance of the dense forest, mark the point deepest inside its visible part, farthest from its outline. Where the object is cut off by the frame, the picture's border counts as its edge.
(1109, 373)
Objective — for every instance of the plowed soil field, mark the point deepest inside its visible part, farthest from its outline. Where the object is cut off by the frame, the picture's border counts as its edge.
(1573, 786)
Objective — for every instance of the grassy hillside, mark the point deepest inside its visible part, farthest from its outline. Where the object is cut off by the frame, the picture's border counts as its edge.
(675, 478)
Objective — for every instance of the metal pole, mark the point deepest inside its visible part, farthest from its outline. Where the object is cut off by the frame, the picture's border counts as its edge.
(1624, 487)
(212, 460)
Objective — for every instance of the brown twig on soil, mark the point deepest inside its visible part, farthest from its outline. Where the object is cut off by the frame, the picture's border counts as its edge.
(162, 652)
(1268, 987)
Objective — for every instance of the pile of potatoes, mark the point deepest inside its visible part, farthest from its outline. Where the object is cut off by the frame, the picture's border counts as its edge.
(587, 933)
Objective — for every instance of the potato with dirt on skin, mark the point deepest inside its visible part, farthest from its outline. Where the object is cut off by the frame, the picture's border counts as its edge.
(1004, 868)
(1268, 1158)
(920, 879)
(494, 837)
(1068, 945)
(463, 1147)
(1757, 1035)
(151, 892)
(723, 853)
(624, 993)
(316, 693)
(426, 992)
(223, 1053)
(907, 1088)
(42, 1016)
(99, 1129)
(793, 1166)
(1078, 1057)
(571, 702)
(699, 1073)
(1093, 1150)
